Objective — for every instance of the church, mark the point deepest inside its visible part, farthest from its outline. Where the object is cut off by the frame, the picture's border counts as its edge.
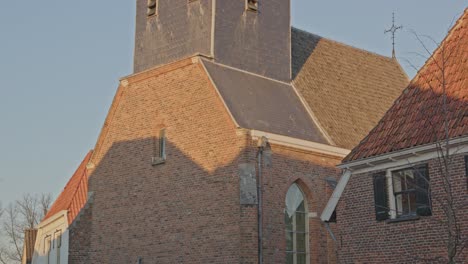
(222, 146)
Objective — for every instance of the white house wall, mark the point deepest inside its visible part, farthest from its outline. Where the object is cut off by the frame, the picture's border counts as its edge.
(51, 228)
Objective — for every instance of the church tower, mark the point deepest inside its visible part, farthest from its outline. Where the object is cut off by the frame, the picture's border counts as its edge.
(251, 35)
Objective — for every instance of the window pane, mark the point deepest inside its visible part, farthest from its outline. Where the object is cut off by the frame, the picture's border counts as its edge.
(300, 222)
(412, 203)
(300, 242)
(397, 182)
(289, 241)
(294, 198)
(289, 258)
(289, 222)
(410, 181)
(301, 207)
(301, 258)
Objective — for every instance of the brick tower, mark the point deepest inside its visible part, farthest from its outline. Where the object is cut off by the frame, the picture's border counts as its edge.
(250, 35)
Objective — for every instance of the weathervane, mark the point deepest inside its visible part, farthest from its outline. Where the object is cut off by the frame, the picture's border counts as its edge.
(393, 30)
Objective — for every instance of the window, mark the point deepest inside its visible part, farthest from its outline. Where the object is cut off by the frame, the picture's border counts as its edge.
(296, 219)
(411, 192)
(466, 170)
(402, 193)
(252, 5)
(159, 148)
(151, 7)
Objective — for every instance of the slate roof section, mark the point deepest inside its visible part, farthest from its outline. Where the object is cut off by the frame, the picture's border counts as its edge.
(263, 104)
(347, 89)
(417, 116)
(74, 195)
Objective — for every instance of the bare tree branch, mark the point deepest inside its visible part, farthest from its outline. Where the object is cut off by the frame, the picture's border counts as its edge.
(25, 213)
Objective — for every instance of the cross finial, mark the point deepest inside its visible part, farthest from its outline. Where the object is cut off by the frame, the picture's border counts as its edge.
(393, 30)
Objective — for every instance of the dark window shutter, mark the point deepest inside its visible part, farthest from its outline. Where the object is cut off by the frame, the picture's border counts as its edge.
(466, 171)
(380, 197)
(423, 202)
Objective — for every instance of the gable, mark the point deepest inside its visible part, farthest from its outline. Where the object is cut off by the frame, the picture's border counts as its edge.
(178, 97)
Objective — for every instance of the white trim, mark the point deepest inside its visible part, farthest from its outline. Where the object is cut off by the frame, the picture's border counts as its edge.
(300, 144)
(390, 194)
(333, 201)
(247, 72)
(406, 156)
(55, 217)
(213, 27)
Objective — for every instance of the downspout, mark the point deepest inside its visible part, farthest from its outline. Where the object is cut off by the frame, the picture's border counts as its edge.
(261, 146)
(259, 207)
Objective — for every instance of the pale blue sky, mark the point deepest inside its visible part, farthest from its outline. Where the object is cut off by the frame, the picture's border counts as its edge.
(60, 62)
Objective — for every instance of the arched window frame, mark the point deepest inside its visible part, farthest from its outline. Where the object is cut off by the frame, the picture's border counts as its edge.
(292, 255)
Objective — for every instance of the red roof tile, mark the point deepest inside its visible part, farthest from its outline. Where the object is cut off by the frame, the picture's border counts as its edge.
(74, 195)
(417, 116)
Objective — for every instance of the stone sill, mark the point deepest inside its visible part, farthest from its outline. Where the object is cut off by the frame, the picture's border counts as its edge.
(157, 161)
(403, 219)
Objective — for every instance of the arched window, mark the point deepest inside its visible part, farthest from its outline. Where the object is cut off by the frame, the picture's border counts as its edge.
(297, 231)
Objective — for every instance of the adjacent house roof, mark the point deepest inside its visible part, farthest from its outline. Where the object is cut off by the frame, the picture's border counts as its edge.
(74, 195)
(260, 103)
(347, 89)
(28, 245)
(417, 116)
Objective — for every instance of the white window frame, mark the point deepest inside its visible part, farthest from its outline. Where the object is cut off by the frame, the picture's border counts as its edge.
(390, 191)
(307, 231)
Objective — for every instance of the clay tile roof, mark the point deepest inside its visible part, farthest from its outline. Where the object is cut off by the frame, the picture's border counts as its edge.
(28, 245)
(263, 104)
(347, 89)
(74, 195)
(417, 116)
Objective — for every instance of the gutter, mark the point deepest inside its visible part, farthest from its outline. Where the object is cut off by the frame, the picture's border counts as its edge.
(300, 144)
(403, 154)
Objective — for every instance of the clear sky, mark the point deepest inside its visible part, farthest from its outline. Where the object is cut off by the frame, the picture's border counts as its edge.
(60, 62)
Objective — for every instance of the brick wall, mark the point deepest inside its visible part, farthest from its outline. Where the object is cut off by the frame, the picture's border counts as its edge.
(365, 240)
(309, 171)
(188, 210)
(80, 236)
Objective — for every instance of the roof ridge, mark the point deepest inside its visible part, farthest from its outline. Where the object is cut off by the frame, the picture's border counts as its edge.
(347, 45)
(247, 72)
